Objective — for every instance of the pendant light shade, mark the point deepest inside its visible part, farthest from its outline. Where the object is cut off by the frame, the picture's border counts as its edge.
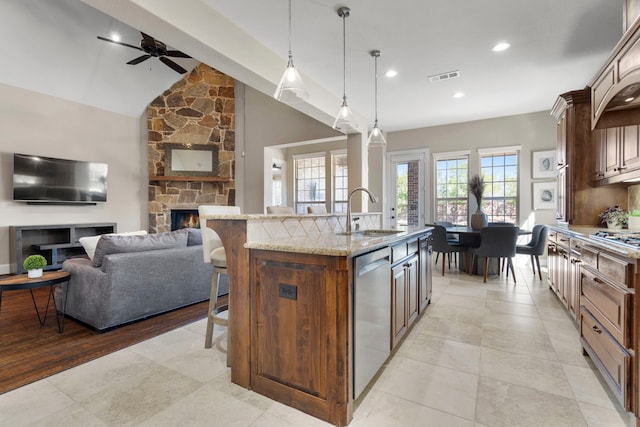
(345, 121)
(376, 138)
(291, 89)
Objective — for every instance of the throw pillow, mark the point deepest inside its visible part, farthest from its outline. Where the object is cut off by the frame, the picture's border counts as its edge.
(115, 244)
(195, 237)
(89, 242)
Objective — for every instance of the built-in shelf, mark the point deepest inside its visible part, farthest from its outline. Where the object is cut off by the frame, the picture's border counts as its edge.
(189, 178)
(54, 242)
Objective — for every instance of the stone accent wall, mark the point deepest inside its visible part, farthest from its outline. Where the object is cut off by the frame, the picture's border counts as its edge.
(199, 109)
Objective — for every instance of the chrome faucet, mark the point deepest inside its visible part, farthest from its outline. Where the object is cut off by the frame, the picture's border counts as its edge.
(372, 199)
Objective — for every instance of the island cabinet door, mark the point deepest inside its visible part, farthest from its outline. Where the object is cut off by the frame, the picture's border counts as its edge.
(399, 319)
(300, 332)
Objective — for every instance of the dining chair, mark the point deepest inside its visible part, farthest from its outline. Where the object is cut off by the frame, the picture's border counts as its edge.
(496, 242)
(450, 236)
(535, 247)
(214, 253)
(279, 210)
(442, 245)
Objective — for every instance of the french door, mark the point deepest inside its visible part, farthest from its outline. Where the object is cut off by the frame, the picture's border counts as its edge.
(407, 189)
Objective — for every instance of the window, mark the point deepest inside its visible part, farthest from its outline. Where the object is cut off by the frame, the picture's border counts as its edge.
(452, 173)
(340, 181)
(500, 172)
(310, 182)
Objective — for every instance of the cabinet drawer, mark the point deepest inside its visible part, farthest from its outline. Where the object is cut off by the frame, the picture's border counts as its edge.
(399, 251)
(617, 269)
(589, 256)
(552, 236)
(612, 360)
(412, 247)
(609, 304)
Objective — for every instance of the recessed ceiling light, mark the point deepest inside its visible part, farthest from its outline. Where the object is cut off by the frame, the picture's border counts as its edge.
(115, 37)
(458, 95)
(499, 47)
(631, 98)
(391, 73)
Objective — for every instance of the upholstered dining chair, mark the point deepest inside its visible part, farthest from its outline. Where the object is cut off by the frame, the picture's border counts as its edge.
(496, 242)
(279, 210)
(213, 252)
(450, 236)
(535, 247)
(442, 245)
(316, 209)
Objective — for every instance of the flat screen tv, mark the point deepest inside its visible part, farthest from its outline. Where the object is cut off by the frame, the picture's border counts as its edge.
(38, 179)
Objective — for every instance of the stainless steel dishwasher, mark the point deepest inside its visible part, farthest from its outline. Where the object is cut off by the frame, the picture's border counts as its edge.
(372, 315)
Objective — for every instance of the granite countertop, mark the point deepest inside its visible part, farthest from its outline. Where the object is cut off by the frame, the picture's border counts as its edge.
(334, 244)
(585, 232)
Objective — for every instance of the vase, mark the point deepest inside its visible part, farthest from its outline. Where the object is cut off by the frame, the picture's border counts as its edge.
(634, 223)
(35, 273)
(479, 219)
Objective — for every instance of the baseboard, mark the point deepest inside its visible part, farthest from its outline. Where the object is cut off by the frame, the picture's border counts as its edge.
(5, 268)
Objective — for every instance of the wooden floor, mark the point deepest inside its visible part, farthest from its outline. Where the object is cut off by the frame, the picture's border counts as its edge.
(29, 352)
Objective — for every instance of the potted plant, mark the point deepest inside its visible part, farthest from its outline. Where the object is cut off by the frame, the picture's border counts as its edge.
(615, 217)
(476, 187)
(633, 220)
(34, 265)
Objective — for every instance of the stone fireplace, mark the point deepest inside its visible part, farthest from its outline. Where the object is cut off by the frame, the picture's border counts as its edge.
(199, 109)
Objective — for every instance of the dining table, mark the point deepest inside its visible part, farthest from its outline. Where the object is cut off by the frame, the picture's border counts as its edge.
(470, 238)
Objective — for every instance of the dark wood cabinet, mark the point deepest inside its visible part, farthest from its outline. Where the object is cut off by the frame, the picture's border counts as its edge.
(405, 290)
(617, 153)
(55, 242)
(575, 152)
(426, 285)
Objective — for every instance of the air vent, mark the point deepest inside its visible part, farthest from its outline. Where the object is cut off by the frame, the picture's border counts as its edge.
(444, 76)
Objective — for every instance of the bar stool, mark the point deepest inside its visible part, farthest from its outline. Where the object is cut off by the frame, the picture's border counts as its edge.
(214, 254)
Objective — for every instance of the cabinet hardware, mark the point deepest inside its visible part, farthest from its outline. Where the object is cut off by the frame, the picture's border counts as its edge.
(595, 279)
(596, 329)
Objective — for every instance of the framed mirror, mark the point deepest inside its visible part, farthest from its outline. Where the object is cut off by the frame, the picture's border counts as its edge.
(190, 160)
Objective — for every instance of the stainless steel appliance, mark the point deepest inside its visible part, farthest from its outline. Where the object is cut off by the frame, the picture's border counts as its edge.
(372, 315)
(626, 238)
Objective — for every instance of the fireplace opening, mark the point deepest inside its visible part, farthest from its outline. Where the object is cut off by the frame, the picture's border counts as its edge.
(184, 218)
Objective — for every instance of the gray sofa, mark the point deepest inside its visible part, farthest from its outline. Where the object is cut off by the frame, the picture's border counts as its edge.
(134, 277)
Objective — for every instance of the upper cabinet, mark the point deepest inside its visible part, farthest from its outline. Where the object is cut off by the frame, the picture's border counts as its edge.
(617, 154)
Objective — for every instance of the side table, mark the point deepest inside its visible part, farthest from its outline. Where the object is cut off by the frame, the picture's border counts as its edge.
(49, 278)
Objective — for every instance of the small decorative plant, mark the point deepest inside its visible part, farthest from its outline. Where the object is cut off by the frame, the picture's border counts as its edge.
(635, 212)
(476, 187)
(615, 216)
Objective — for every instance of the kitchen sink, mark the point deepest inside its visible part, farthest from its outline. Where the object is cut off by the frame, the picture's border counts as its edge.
(370, 233)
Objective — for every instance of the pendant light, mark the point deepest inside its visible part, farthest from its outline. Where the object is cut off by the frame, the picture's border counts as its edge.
(345, 121)
(376, 138)
(291, 89)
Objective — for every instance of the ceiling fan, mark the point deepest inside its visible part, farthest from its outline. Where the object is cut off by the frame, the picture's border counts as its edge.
(153, 48)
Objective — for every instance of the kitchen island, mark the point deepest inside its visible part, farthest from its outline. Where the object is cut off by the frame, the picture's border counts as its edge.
(300, 305)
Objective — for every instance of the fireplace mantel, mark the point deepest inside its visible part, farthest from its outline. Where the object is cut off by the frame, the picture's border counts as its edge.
(189, 178)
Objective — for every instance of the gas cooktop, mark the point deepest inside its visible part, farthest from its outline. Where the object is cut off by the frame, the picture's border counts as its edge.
(621, 237)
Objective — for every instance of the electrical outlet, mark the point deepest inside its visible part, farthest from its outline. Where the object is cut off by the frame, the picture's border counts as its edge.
(288, 291)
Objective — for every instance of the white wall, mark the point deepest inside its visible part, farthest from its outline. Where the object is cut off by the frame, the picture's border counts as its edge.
(34, 123)
(261, 122)
(533, 132)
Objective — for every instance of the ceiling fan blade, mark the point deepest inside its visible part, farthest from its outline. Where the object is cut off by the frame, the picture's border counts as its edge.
(139, 59)
(148, 39)
(177, 54)
(173, 65)
(120, 43)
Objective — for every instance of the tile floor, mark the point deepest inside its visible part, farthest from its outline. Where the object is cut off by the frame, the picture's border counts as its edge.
(490, 354)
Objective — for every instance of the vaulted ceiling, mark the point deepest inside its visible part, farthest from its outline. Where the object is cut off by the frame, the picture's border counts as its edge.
(556, 46)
